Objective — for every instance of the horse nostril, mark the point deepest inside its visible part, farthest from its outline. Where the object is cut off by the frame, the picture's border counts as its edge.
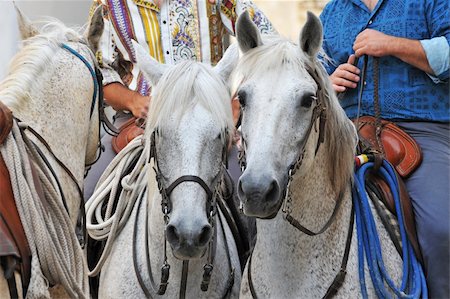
(273, 191)
(172, 234)
(240, 190)
(204, 235)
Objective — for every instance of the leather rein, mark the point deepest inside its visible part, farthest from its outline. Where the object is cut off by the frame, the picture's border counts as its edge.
(166, 206)
(319, 113)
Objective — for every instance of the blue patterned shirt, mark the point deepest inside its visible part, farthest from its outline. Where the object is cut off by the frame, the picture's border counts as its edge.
(405, 92)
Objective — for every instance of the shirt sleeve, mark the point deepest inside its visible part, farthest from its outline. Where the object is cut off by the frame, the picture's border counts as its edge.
(437, 47)
(107, 53)
(231, 9)
(437, 51)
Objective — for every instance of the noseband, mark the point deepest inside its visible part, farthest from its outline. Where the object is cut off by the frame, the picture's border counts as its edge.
(166, 206)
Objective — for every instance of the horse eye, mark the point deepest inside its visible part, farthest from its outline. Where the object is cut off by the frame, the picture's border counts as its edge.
(219, 136)
(242, 95)
(307, 100)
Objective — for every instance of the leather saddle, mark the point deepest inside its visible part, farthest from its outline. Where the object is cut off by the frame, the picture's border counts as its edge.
(15, 254)
(128, 131)
(400, 149)
(6, 122)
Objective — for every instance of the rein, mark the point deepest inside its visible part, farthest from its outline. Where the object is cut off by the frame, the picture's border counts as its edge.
(166, 207)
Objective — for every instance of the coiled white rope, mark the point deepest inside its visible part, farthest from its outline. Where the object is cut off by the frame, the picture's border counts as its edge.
(57, 257)
(109, 225)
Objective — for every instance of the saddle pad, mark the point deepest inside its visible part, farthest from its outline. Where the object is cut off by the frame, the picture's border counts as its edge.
(12, 228)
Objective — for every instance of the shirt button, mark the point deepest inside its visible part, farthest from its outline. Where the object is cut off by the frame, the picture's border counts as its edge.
(164, 22)
(167, 52)
(370, 22)
(365, 82)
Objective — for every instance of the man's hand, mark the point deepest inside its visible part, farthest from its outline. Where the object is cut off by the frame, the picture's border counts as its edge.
(138, 105)
(120, 97)
(373, 43)
(345, 76)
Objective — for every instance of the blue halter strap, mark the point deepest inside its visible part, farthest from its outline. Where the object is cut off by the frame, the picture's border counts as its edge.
(91, 70)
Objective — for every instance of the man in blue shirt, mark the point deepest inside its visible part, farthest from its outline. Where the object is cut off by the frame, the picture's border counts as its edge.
(411, 40)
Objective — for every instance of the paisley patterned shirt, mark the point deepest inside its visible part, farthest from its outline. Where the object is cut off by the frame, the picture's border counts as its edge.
(176, 30)
(405, 92)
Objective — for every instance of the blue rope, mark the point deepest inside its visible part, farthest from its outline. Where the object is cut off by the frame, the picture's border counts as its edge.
(413, 283)
(91, 70)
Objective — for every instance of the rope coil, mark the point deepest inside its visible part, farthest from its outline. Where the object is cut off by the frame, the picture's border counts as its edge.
(44, 220)
(413, 283)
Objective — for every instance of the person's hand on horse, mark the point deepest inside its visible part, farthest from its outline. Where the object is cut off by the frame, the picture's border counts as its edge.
(373, 43)
(138, 106)
(345, 76)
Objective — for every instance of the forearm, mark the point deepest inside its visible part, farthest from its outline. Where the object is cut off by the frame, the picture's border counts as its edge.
(118, 96)
(411, 52)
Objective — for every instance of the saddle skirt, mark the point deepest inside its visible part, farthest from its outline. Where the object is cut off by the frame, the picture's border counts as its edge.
(14, 250)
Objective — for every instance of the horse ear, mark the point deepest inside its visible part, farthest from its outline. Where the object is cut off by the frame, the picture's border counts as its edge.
(152, 69)
(247, 33)
(26, 29)
(95, 30)
(228, 62)
(311, 35)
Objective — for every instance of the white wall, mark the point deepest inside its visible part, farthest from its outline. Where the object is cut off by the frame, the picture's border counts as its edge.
(72, 13)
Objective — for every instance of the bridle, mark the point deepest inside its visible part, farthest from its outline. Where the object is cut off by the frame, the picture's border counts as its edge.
(166, 206)
(319, 113)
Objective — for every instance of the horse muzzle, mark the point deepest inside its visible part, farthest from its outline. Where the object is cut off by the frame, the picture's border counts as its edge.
(260, 195)
(188, 244)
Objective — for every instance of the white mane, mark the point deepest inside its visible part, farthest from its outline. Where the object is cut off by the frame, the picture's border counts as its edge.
(185, 85)
(278, 53)
(36, 54)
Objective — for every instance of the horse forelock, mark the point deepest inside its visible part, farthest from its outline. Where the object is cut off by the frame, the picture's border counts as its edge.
(278, 53)
(35, 55)
(275, 54)
(182, 87)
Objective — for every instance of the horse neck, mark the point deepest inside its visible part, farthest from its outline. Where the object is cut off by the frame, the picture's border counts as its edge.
(292, 251)
(58, 109)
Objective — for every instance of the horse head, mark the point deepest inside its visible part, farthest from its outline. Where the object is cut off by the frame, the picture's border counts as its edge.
(288, 110)
(188, 130)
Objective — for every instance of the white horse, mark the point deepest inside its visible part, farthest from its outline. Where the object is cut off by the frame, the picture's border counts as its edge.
(52, 91)
(288, 109)
(187, 135)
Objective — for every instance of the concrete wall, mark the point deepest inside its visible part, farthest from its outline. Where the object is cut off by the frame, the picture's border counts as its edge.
(288, 16)
(72, 13)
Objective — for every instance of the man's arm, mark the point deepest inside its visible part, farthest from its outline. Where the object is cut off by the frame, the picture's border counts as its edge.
(116, 94)
(121, 97)
(375, 43)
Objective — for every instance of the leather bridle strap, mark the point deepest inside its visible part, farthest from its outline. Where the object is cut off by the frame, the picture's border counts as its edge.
(184, 275)
(303, 229)
(189, 178)
(338, 279)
